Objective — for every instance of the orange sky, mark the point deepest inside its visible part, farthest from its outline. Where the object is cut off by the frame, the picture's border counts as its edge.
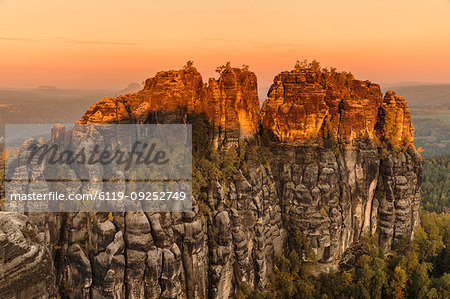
(106, 44)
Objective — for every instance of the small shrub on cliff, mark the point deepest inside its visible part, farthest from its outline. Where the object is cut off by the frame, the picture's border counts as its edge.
(229, 163)
(213, 238)
(315, 66)
(326, 76)
(243, 291)
(222, 68)
(332, 144)
(210, 164)
(256, 150)
(29, 234)
(203, 209)
(301, 64)
(188, 64)
(383, 153)
(396, 150)
(205, 160)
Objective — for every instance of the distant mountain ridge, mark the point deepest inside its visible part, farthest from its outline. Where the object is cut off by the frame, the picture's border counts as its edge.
(422, 93)
(132, 87)
(45, 105)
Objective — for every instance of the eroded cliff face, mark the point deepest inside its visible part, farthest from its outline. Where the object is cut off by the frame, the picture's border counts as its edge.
(335, 196)
(305, 104)
(27, 268)
(394, 125)
(343, 164)
(230, 103)
(346, 163)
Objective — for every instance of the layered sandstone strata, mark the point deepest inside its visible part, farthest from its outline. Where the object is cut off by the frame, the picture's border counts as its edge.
(309, 104)
(394, 121)
(230, 103)
(26, 269)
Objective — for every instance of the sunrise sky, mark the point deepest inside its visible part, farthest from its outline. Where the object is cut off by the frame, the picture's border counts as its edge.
(106, 44)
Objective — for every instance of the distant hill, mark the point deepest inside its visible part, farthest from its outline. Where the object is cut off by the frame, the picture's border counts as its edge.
(429, 104)
(42, 106)
(132, 87)
(262, 94)
(409, 83)
(425, 94)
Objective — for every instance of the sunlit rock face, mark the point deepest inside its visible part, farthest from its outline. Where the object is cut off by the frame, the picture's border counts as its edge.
(307, 103)
(167, 97)
(232, 104)
(343, 164)
(395, 126)
(229, 103)
(310, 105)
(296, 107)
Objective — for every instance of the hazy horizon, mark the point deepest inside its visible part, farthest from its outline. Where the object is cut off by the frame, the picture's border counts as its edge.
(107, 45)
(205, 80)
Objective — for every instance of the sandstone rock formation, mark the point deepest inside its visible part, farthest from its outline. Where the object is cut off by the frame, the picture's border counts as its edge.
(343, 164)
(335, 196)
(395, 125)
(26, 269)
(308, 103)
(230, 103)
(333, 167)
